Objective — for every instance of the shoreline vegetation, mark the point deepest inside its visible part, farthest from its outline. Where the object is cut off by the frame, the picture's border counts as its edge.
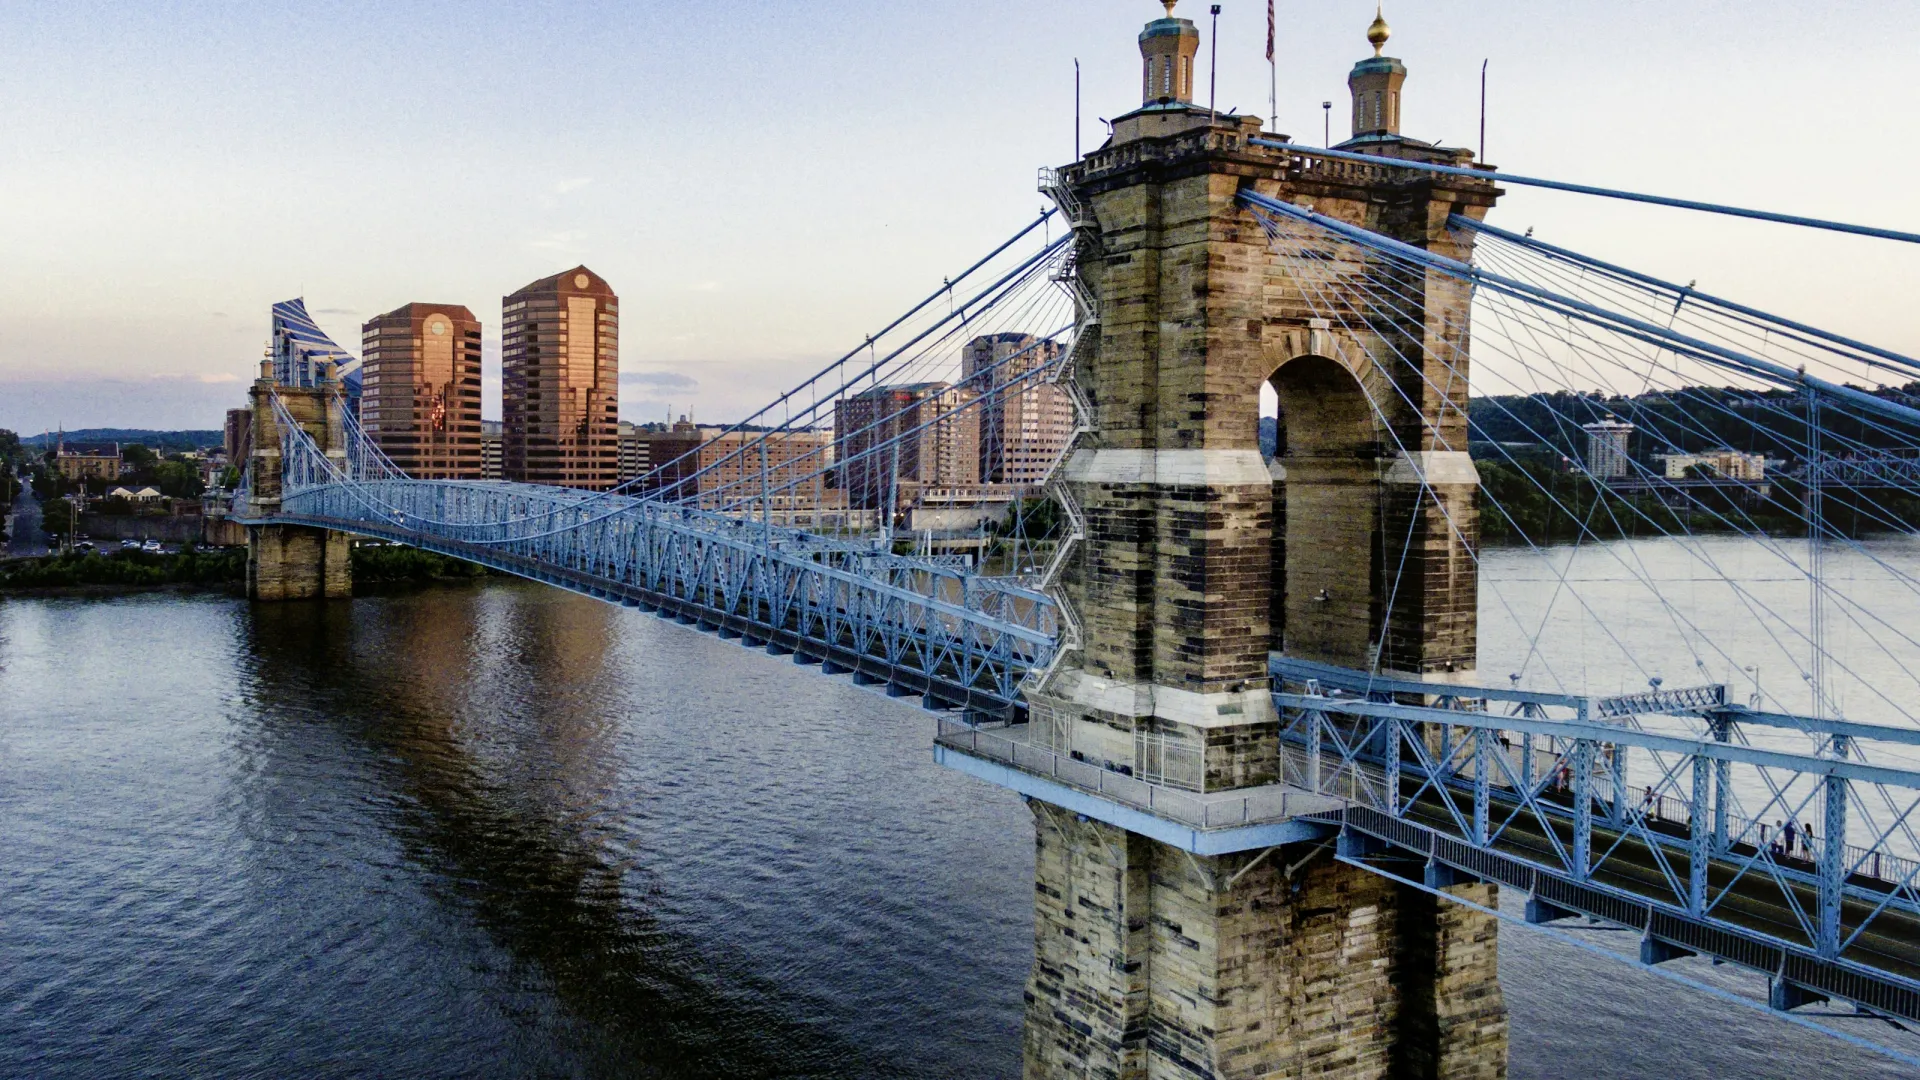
(376, 569)
(1528, 504)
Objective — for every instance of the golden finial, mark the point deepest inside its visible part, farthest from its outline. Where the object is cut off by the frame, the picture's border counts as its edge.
(1379, 32)
(1169, 6)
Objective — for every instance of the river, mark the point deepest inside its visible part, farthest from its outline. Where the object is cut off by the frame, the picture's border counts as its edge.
(502, 830)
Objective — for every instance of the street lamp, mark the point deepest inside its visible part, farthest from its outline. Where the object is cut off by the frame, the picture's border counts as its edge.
(1213, 67)
(1326, 110)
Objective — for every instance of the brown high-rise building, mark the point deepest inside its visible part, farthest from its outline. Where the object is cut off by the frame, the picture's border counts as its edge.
(239, 437)
(560, 361)
(420, 396)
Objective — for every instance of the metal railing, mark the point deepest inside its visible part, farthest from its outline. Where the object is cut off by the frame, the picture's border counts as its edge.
(1805, 847)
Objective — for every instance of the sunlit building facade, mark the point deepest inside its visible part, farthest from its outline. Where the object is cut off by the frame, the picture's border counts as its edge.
(560, 368)
(420, 397)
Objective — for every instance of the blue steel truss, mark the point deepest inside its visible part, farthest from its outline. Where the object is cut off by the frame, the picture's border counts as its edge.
(1529, 789)
(917, 625)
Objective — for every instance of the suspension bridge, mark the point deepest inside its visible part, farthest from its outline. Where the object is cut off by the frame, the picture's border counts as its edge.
(1288, 722)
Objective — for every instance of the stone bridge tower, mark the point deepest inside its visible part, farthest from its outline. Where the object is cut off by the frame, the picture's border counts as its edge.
(1200, 557)
(294, 562)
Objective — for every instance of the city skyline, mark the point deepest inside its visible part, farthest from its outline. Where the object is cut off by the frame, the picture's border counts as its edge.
(173, 203)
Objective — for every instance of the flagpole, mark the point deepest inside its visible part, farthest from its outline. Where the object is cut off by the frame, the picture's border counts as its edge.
(1273, 74)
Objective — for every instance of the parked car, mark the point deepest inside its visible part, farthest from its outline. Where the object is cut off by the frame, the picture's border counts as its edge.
(151, 545)
(130, 544)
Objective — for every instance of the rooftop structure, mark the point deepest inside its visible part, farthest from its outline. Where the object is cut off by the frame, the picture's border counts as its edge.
(301, 352)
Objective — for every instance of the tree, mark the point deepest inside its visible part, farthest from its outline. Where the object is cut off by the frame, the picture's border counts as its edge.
(178, 479)
(11, 451)
(140, 460)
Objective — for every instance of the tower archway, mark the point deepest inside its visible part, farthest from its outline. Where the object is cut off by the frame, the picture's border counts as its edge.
(1326, 597)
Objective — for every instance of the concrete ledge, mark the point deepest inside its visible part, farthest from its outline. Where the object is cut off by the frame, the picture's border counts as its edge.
(1218, 710)
(1433, 467)
(1167, 467)
(1171, 833)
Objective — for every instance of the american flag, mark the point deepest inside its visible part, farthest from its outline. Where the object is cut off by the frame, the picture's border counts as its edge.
(1269, 31)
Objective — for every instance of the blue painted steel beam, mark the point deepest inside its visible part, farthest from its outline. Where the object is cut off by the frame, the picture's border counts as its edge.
(1353, 679)
(1685, 292)
(1626, 325)
(1555, 894)
(1607, 733)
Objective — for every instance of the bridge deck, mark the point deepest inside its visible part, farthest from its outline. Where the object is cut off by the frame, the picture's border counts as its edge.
(1628, 887)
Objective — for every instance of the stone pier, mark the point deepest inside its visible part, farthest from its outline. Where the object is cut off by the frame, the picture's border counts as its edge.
(1202, 958)
(1150, 962)
(293, 562)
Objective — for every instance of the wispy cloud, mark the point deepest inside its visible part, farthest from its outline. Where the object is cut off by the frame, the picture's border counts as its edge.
(569, 186)
(705, 286)
(567, 241)
(207, 377)
(663, 380)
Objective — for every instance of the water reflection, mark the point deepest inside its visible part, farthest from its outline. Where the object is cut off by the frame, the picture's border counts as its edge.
(488, 723)
(506, 831)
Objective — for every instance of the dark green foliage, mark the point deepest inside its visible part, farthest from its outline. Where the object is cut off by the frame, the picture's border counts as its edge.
(1544, 504)
(165, 442)
(1030, 519)
(391, 564)
(1686, 420)
(179, 479)
(214, 566)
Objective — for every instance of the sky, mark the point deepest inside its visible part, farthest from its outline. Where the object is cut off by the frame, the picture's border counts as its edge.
(765, 183)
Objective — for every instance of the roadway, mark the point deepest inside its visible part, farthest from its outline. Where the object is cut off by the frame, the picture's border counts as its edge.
(1755, 901)
(23, 533)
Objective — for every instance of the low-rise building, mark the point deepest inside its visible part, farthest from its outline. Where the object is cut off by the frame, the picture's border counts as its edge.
(927, 433)
(1727, 464)
(750, 471)
(88, 463)
(635, 458)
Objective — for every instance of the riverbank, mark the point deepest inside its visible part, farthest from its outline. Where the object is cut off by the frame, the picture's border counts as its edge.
(376, 569)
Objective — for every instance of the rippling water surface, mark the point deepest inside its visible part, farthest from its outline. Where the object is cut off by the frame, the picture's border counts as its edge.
(507, 831)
